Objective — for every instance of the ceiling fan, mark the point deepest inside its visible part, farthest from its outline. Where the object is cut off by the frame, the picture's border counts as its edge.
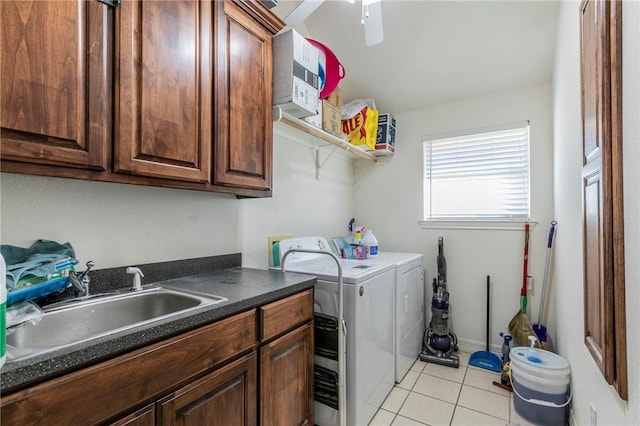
(371, 18)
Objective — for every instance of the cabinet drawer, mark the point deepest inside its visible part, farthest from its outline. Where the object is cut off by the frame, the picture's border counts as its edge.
(285, 314)
(102, 391)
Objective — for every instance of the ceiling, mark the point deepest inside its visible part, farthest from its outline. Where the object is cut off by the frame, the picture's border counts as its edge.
(436, 51)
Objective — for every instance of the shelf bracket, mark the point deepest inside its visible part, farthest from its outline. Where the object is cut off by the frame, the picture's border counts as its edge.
(317, 162)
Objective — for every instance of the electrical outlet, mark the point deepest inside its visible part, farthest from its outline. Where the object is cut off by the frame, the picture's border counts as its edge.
(594, 415)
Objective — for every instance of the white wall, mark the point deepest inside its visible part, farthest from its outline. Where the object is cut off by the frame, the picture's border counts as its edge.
(389, 201)
(301, 204)
(588, 384)
(117, 225)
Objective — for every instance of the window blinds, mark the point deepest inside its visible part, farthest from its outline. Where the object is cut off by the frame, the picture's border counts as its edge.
(477, 175)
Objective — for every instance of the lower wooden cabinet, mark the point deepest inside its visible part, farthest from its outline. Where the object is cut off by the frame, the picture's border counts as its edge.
(286, 361)
(143, 417)
(286, 385)
(207, 376)
(225, 397)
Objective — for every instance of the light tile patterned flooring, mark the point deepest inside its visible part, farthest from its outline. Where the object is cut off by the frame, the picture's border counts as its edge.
(434, 395)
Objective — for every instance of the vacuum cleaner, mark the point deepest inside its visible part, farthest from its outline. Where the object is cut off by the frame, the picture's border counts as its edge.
(439, 341)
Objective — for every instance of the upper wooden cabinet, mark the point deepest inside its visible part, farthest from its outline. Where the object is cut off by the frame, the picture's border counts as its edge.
(164, 89)
(243, 152)
(161, 93)
(56, 83)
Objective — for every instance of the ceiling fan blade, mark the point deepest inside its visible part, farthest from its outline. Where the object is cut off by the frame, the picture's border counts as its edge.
(302, 12)
(372, 20)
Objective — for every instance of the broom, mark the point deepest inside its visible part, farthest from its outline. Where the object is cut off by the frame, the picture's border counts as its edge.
(520, 325)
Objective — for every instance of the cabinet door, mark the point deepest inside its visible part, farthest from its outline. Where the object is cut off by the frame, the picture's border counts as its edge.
(602, 191)
(226, 397)
(142, 417)
(286, 379)
(164, 89)
(243, 148)
(56, 82)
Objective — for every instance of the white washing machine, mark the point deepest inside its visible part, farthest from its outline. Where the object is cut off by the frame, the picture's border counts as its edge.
(409, 308)
(368, 295)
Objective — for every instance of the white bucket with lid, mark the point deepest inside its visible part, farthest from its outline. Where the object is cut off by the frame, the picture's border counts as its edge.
(541, 383)
(540, 370)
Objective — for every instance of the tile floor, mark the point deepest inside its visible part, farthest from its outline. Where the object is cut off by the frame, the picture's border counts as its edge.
(434, 395)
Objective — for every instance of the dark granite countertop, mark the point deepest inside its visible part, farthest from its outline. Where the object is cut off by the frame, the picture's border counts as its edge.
(243, 287)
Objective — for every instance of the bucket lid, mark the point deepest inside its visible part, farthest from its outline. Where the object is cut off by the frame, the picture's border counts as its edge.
(538, 358)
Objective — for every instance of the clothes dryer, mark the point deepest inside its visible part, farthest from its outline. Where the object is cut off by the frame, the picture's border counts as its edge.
(409, 322)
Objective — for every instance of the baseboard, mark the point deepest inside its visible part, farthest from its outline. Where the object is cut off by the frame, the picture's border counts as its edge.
(471, 346)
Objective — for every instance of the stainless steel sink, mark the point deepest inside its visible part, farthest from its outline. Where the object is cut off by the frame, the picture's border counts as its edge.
(83, 320)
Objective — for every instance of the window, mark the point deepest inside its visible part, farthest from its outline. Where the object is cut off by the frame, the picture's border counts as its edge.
(481, 174)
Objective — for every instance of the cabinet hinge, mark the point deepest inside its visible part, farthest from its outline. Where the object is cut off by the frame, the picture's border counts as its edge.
(112, 3)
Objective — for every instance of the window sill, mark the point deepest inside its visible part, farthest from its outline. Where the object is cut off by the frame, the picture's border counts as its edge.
(495, 225)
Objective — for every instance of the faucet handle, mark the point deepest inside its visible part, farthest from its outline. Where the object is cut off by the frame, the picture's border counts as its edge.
(137, 274)
(80, 281)
(84, 275)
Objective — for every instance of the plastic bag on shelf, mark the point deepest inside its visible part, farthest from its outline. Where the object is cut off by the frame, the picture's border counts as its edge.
(360, 122)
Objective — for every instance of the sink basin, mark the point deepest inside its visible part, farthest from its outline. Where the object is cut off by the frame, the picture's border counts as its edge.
(88, 319)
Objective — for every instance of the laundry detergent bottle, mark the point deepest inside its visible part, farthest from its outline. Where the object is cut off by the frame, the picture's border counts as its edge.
(370, 240)
(3, 311)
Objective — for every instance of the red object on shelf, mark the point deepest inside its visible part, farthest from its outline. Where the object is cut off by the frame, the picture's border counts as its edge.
(334, 71)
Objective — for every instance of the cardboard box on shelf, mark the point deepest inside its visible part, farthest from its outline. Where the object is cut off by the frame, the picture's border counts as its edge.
(335, 98)
(331, 121)
(386, 139)
(295, 74)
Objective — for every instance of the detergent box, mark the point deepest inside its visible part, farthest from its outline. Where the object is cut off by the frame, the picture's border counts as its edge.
(386, 138)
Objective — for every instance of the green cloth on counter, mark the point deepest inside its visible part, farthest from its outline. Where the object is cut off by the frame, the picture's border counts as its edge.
(41, 260)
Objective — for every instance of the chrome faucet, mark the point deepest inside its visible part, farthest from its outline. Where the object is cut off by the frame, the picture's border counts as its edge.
(137, 274)
(80, 282)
